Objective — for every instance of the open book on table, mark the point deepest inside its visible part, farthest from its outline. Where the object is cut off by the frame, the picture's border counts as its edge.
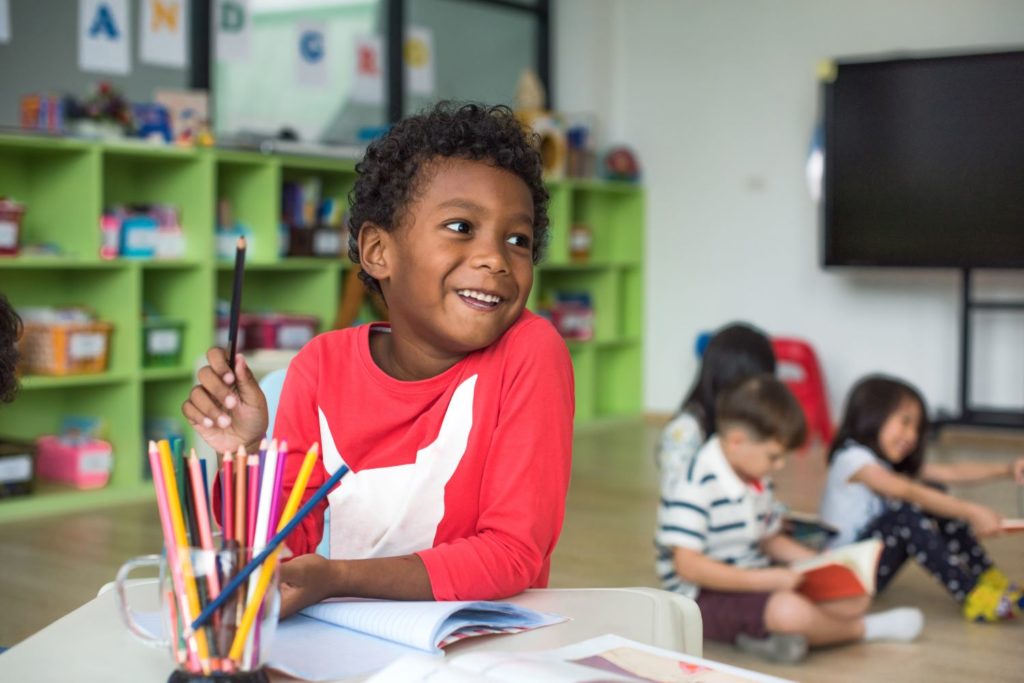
(347, 637)
(603, 659)
(845, 572)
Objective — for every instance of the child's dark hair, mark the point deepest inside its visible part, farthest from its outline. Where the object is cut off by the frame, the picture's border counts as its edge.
(389, 172)
(766, 408)
(10, 330)
(870, 403)
(736, 352)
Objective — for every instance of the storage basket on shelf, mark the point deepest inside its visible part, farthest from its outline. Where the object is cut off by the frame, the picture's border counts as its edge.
(65, 348)
(162, 342)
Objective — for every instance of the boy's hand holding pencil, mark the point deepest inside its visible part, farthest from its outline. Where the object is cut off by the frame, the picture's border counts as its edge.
(227, 408)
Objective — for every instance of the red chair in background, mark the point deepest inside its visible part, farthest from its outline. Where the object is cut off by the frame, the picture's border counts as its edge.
(799, 369)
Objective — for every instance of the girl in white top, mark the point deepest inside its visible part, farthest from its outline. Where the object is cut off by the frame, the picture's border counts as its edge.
(876, 489)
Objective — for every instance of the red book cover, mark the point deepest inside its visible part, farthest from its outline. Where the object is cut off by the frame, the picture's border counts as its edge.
(845, 572)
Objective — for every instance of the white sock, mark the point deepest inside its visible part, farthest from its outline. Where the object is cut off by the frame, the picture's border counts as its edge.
(902, 623)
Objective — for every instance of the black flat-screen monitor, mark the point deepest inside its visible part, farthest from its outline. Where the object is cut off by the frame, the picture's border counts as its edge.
(924, 162)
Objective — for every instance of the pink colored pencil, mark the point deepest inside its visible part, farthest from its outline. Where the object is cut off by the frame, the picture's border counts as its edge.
(227, 500)
(171, 549)
(203, 521)
(275, 501)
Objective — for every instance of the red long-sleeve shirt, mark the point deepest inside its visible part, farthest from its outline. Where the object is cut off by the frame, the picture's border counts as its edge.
(468, 469)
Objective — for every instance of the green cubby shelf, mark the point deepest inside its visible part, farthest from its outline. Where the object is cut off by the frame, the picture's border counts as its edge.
(66, 184)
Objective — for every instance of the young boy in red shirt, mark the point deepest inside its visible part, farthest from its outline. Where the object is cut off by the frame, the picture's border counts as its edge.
(455, 417)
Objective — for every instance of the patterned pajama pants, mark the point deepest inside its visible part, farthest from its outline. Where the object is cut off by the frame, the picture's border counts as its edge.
(946, 548)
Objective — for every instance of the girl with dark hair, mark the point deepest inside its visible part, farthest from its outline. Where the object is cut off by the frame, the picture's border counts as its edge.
(736, 352)
(876, 489)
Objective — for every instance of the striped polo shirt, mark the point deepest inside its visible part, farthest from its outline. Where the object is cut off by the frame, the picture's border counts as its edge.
(706, 507)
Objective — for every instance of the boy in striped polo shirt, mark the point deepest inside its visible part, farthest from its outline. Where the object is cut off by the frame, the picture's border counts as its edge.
(719, 534)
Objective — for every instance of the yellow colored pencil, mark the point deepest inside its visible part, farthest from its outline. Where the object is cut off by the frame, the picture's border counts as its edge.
(267, 571)
(178, 524)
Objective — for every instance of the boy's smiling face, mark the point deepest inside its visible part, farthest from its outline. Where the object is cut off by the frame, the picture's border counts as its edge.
(458, 267)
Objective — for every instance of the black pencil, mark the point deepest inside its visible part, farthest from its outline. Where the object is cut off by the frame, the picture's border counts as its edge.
(236, 302)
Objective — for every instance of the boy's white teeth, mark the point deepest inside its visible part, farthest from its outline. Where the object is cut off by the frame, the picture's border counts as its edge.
(479, 296)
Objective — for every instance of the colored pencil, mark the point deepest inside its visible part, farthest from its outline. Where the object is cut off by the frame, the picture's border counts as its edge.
(236, 302)
(267, 571)
(227, 499)
(184, 561)
(203, 521)
(170, 547)
(285, 527)
(239, 484)
(275, 501)
(268, 456)
(252, 498)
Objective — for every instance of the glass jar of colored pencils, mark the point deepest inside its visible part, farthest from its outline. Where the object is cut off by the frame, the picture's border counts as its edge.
(231, 644)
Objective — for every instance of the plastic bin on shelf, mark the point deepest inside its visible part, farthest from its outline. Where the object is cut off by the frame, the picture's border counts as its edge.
(65, 348)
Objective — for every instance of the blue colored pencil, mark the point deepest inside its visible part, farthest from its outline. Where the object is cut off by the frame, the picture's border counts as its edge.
(272, 544)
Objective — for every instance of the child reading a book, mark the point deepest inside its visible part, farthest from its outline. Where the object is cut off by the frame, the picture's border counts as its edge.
(456, 416)
(719, 532)
(876, 488)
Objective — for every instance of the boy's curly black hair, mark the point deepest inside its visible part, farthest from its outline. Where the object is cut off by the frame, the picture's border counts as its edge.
(10, 330)
(387, 175)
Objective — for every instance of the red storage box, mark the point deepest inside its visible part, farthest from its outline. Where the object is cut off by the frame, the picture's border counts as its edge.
(85, 465)
(280, 331)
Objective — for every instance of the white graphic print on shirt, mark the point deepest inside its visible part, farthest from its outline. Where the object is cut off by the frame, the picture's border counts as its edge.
(391, 511)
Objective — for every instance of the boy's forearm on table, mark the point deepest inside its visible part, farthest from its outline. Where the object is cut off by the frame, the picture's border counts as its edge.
(389, 578)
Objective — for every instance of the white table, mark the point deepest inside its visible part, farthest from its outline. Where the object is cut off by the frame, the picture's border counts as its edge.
(91, 643)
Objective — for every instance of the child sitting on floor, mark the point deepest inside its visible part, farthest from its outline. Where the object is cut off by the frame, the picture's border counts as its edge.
(719, 532)
(876, 489)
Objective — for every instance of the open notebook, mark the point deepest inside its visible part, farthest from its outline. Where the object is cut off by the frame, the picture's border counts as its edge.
(352, 637)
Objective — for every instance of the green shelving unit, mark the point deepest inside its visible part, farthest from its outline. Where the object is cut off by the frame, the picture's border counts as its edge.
(67, 183)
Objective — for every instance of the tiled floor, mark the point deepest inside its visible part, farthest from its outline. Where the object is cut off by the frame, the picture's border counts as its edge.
(50, 566)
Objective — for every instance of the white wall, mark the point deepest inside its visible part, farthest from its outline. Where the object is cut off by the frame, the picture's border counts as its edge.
(719, 98)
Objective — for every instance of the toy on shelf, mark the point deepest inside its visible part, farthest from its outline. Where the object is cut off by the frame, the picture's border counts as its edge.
(573, 315)
(44, 112)
(60, 342)
(581, 242)
(188, 111)
(152, 122)
(531, 111)
(620, 163)
(581, 142)
(11, 214)
(105, 114)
